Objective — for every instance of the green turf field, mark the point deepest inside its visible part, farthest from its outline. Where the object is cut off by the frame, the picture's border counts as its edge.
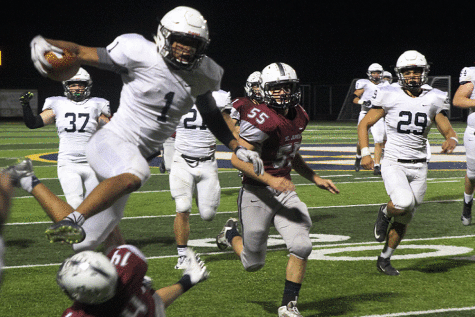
(436, 260)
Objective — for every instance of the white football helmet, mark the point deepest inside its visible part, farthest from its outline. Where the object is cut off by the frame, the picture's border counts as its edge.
(183, 25)
(88, 277)
(252, 85)
(82, 76)
(375, 67)
(412, 60)
(388, 76)
(278, 75)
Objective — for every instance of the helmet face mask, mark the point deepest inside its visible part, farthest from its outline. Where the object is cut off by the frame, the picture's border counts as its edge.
(88, 277)
(280, 86)
(183, 38)
(78, 87)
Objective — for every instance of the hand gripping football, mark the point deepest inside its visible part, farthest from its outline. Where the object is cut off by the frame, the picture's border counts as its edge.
(63, 67)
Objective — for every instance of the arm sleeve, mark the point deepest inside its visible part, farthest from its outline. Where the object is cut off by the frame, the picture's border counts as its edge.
(213, 118)
(31, 121)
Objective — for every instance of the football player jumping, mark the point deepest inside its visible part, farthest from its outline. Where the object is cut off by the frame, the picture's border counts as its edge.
(409, 110)
(274, 129)
(77, 116)
(162, 81)
(465, 98)
(194, 169)
(364, 89)
(114, 285)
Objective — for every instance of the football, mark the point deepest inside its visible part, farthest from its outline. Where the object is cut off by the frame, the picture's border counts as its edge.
(64, 66)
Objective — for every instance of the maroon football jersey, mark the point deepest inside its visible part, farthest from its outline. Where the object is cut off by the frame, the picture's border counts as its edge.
(238, 103)
(277, 137)
(131, 299)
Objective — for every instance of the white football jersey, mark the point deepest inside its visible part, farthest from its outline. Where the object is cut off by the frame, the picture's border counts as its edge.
(154, 95)
(468, 75)
(193, 138)
(75, 122)
(369, 88)
(408, 120)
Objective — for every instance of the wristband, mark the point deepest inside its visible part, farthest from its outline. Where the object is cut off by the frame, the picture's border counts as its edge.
(365, 151)
(455, 139)
(238, 148)
(360, 102)
(185, 282)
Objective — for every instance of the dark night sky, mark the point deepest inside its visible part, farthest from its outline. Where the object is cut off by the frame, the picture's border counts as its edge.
(326, 42)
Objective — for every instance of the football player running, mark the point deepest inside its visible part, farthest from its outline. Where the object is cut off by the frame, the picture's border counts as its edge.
(162, 81)
(364, 89)
(114, 285)
(465, 98)
(77, 116)
(274, 129)
(194, 169)
(409, 111)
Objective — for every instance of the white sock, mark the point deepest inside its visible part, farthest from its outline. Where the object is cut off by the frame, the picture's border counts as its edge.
(388, 253)
(385, 211)
(467, 198)
(29, 182)
(76, 217)
(358, 156)
(181, 251)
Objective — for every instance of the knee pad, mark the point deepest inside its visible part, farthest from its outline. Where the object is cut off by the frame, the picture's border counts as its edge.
(471, 175)
(183, 204)
(253, 261)
(254, 267)
(301, 246)
(207, 213)
(403, 199)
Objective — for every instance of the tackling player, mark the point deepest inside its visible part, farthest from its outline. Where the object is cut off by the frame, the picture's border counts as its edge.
(274, 129)
(194, 169)
(465, 98)
(364, 89)
(77, 116)
(409, 110)
(162, 81)
(114, 285)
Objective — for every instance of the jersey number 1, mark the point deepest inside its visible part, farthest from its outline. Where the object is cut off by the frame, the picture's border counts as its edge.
(168, 98)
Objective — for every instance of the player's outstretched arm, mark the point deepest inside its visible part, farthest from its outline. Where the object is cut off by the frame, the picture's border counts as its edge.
(301, 167)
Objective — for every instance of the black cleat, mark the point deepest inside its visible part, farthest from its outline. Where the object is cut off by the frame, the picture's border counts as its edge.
(467, 213)
(381, 225)
(65, 231)
(384, 266)
(377, 170)
(357, 164)
(221, 240)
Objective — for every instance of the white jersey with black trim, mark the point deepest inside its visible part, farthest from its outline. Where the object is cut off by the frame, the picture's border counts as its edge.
(75, 123)
(154, 95)
(193, 138)
(408, 120)
(368, 89)
(468, 75)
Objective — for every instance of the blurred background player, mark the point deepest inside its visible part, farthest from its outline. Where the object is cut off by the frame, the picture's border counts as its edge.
(6, 194)
(252, 96)
(162, 81)
(387, 77)
(77, 116)
(195, 170)
(113, 285)
(364, 89)
(274, 129)
(409, 111)
(465, 98)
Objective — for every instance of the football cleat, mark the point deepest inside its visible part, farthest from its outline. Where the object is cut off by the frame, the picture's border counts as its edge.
(221, 240)
(381, 225)
(384, 266)
(180, 265)
(467, 213)
(377, 170)
(290, 310)
(65, 231)
(194, 267)
(357, 164)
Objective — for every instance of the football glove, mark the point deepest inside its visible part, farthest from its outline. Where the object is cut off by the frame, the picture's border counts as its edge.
(26, 97)
(253, 157)
(195, 268)
(39, 47)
